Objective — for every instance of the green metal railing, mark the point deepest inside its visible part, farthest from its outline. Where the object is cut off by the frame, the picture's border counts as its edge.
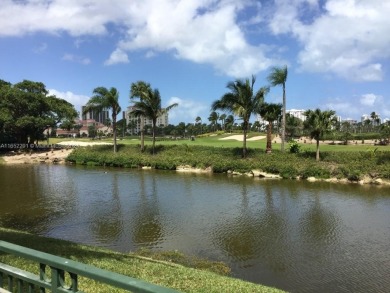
(22, 281)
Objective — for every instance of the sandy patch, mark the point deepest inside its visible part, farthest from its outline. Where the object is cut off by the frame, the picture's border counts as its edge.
(54, 157)
(239, 137)
(82, 143)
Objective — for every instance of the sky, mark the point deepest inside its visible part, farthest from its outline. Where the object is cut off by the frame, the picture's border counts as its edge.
(337, 51)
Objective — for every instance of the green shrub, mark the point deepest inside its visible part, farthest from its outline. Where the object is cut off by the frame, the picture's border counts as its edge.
(294, 147)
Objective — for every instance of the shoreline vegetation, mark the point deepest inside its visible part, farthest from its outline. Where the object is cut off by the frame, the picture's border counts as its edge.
(370, 166)
(169, 269)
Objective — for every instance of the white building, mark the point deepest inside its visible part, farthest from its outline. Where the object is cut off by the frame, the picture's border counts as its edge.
(297, 113)
(162, 120)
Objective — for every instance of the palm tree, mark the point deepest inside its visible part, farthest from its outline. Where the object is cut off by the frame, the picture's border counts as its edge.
(198, 121)
(375, 119)
(278, 76)
(222, 119)
(104, 98)
(213, 118)
(149, 106)
(318, 123)
(141, 90)
(270, 112)
(242, 101)
(229, 121)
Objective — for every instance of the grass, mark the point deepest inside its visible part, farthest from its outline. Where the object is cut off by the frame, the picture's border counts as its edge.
(353, 165)
(161, 270)
(215, 141)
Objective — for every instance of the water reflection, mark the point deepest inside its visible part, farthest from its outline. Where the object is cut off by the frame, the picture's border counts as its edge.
(147, 229)
(106, 221)
(298, 236)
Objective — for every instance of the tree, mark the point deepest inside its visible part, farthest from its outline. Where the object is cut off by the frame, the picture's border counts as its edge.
(242, 101)
(104, 98)
(270, 112)
(213, 118)
(375, 119)
(222, 118)
(278, 76)
(294, 126)
(318, 123)
(149, 105)
(229, 121)
(198, 121)
(27, 111)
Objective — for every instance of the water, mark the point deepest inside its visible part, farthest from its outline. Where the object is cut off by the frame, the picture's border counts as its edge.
(297, 236)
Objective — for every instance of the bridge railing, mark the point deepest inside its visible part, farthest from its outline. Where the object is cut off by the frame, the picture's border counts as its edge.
(64, 274)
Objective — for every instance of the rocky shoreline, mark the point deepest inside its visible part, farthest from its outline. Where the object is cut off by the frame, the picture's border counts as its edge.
(59, 156)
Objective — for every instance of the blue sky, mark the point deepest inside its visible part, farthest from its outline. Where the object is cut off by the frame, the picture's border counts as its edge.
(337, 51)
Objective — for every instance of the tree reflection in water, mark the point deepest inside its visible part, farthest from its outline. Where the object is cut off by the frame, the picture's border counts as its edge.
(147, 228)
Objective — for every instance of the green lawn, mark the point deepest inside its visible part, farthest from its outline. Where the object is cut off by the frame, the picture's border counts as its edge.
(163, 273)
(215, 141)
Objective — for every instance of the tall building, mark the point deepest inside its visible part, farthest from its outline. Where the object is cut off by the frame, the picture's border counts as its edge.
(98, 116)
(136, 122)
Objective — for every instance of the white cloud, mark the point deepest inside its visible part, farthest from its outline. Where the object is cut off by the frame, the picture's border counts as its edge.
(77, 59)
(75, 99)
(118, 56)
(212, 36)
(187, 110)
(76, 17)
(368, 99)
(355, 106)
(350, 38)
(202, 31)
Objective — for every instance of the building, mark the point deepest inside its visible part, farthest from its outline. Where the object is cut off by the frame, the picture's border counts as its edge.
(134, 123)
(375, 122)
(82, 128)
(99, 116)
(297, 113)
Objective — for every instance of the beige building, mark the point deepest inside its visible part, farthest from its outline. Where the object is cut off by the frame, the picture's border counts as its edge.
(137, 122)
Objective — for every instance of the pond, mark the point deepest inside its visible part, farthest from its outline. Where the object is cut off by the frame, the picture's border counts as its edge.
(294, 235)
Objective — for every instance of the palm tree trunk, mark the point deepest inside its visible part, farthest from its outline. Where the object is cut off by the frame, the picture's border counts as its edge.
(283, 134)
(114, 130)
(244, 140)
(318, 150)
(269, 138)
(154, 134)
(142, 134)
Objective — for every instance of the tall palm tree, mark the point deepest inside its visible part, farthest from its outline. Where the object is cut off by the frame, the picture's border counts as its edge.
(140, 90)
(270, 112)
(318, 123)
(149, 106)
(242, 101)
(104, 98)
(278, 76)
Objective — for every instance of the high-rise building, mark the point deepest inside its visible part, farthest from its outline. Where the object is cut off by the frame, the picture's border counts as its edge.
(98, 116)
(136, 122)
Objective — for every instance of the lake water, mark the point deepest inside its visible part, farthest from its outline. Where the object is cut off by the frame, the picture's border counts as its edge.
(293, 235)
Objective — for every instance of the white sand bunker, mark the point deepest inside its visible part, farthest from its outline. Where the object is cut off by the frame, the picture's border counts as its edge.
(82, 143)
(240, 137)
